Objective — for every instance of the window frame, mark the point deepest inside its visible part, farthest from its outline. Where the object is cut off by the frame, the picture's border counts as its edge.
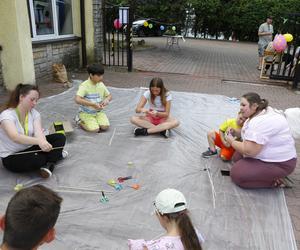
(55, 35)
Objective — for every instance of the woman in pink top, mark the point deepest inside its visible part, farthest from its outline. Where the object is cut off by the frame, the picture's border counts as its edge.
(267, 153)
(171, 211)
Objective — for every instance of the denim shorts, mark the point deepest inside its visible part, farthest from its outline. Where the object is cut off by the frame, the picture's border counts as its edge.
(261, 49)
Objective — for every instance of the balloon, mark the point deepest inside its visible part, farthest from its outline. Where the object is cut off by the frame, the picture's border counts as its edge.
(288, 37)
(150, 25)
(146, 24)
(279, 43)
(162, 27)
(117, 24)
(173, 28)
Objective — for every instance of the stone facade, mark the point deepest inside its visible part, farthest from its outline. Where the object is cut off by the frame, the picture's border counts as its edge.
(44, 55)
(98, 30)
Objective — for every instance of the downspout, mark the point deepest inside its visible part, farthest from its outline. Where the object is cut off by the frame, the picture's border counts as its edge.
(83, 40)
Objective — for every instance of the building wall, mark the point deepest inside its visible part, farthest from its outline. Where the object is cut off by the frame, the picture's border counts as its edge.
(98, 30)
(15, 39)
(34, 59)
(89, 31)
(1, 75)
(77, 23)
(44, 55)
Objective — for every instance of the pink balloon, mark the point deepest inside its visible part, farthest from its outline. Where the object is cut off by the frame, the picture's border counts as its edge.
(279, 43)
(117, 24)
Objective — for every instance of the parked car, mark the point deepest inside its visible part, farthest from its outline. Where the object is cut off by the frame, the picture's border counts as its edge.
(139, 29)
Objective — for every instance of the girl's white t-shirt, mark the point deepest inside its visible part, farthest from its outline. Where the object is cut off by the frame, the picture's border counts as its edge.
(7, 146)
(158, 106)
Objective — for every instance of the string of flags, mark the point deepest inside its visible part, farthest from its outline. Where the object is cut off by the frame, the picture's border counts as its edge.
(118, 25)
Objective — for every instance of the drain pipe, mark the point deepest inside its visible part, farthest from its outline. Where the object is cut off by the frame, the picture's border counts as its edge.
(83, 40)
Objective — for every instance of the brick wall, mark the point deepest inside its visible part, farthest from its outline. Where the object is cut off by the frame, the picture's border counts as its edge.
(44, 55)
(98, 30)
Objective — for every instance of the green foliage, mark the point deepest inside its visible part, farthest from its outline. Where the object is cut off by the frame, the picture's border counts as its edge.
(212, 17)
(242, 17)
(163, 11)
(170, 32)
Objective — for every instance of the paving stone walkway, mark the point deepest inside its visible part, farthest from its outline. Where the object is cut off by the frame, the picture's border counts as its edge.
(205, 58)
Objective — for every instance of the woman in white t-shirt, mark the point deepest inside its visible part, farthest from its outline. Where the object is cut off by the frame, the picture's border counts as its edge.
(267, 153)
(157, 118)
(23, 145)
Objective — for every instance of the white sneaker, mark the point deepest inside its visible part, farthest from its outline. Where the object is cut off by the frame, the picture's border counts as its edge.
(165, 133)
(77, 120)
(64, 154)
(45, 173)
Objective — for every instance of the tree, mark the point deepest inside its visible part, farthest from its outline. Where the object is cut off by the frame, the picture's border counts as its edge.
(212, 17)
(163, 11)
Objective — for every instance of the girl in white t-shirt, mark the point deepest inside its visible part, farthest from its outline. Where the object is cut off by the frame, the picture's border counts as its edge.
(157, 118)
(171, 210)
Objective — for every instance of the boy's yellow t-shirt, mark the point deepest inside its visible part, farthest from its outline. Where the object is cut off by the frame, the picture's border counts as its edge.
(229, 123)
(95, 93)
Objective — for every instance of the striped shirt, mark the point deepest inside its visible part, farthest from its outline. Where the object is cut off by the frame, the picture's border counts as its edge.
(92, 92)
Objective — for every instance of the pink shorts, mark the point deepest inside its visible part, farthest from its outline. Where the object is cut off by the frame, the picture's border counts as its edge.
(155, 120)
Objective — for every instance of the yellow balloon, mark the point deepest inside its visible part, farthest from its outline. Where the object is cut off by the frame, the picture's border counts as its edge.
(288, 37)
(146, 24)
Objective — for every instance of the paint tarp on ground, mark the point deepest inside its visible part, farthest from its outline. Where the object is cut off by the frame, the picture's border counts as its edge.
(227, 216)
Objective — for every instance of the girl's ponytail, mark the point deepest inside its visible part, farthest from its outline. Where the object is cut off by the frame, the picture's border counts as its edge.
(13, 100)
(188, 235)
(263, 104)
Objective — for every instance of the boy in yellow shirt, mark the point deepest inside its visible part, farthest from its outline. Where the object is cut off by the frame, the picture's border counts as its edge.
(218, 139)
(93, 96)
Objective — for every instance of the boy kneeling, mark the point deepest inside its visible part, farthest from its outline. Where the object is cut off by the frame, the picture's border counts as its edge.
(93, 97)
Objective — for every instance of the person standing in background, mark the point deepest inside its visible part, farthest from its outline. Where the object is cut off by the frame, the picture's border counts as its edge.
(265, 35)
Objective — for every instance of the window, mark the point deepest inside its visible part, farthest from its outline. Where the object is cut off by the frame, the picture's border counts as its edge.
(51, 18)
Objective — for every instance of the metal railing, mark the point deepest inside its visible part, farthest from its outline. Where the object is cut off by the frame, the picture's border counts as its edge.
(286, 66)
(117, 36)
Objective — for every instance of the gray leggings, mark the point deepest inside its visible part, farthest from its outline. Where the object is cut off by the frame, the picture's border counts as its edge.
(253, 173)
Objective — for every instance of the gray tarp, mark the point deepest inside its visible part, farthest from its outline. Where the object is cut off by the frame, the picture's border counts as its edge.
(227, 216)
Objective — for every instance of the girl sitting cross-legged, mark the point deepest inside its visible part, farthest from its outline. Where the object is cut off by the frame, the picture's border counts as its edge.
(157, 118)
